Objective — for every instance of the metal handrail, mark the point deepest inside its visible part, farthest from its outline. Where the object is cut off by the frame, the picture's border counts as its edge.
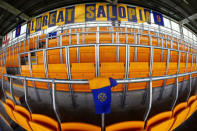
(85, 81)
(141, 28)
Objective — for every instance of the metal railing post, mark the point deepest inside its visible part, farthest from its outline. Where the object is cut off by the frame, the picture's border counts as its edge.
(33, 82)
(150, 84)
(127, 59)
(69, 75)
(11, 91)
(54, 103)
(26, 95)
(164, 83)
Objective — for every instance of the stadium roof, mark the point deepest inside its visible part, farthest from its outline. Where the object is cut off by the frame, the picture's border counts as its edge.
(13, 12)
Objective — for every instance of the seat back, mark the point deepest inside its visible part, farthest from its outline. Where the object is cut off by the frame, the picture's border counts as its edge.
(162, 122)
(180, 113)
(39, 72)
(87, 54)
(58, 71)
(171, 71)
(9, 107)
(22, 116)
(53, 56)
(138, 70)
(127, 126)
(192, 105)
(76, 126)
(159, 69)
(82, 71)
(53, 42)
(43, 123)
(107, 54)
(113, 70)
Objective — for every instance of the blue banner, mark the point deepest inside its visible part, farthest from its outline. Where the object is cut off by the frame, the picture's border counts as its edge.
(18, 31)
(158, 18)
(101, 90)
(52, 35)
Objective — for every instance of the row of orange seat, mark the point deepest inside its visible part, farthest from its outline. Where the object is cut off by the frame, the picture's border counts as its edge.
(109, 54)
(106, 54)
(105, 38)
(39, 122)
(115, 70)
(164, 121)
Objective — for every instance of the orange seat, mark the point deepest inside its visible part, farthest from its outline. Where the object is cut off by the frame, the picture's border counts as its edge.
(160, 122)
(87, 54)
(53, 42)
(43, 37)
(122, 38)
(158, 55)
(90, 38)
(9, 107)
(172, 70)
(181, 71)
(138, 70)
(127, 126)
(105, 38)
(82, 71)
(22, 116)
(76, 126)
(192, 104)
(131, 39)
(180, 113)
(107, 54)
(43, 123)
(53, 56)
(38, 71)
(143, 54)
(58, 71)
(3, 71)
(73, 55)
(159, 69)
(113, 70)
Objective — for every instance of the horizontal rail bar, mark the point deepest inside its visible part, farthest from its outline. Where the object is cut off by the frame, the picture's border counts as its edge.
(106, 44)
(85, 81)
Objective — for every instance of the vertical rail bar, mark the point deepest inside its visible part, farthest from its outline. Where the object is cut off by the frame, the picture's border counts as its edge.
(61, 57)
(167, 68)
(78, 49)
(69, 36)
(126, 35)
(127, 59)
(150, 84)
(19, 62)
(54, 103)
(117, 47)
(162, 48)
(97, 35)
(97, 60)
(26, 95)
(69, 75)
(102, 122)
(33, 82)
(190, 87)
(11, 91)
(176, 95)
(45, 55)
(2, 86)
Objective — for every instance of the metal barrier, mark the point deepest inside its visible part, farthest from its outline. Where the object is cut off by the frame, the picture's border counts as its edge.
(119, 81)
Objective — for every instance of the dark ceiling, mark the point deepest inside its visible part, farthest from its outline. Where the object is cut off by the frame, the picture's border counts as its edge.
(177, 9)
